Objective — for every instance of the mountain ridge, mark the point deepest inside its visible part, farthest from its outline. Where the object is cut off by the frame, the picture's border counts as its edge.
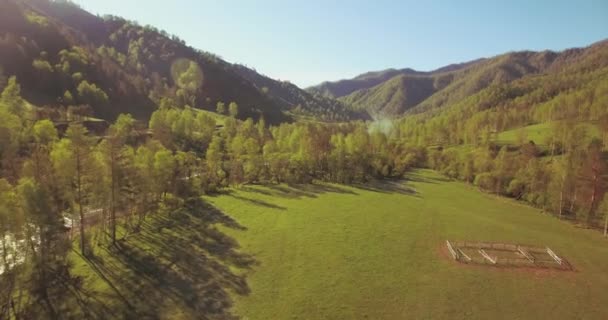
(393, 93)
(133, 65)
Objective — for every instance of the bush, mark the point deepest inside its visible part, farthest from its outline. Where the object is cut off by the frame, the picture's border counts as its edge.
(91, 94)
(485, 181)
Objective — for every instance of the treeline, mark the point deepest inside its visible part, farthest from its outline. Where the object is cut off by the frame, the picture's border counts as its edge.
(570, 185)
(55, 184)
(564, 172)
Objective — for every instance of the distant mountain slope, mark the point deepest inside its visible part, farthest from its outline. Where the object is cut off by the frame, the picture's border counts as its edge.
(391, 93)
(371, 79)
(567, 89)
(509, 67)
(61, 53)
(394, 96)
(300, 101)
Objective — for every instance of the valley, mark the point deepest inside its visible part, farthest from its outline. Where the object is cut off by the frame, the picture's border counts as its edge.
(144, 177)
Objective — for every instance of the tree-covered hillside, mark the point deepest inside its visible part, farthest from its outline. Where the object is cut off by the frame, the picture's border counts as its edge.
(64, 56)
(540, 138)
(371, 79)
(392, 93)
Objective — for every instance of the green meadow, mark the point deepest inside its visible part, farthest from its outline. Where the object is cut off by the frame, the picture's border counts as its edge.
(328, 251)
(539, 133)
(377, 252)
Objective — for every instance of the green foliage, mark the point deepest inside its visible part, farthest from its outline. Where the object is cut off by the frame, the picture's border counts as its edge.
(42, 66)
(44, 132)
(91, 94)
(187, 75)
(233, 109)
(123, 126)
(11, 97)
(68, 98)
(77, 77)
(76, 58)
(36, 19)
(221, 108)
(33, 200)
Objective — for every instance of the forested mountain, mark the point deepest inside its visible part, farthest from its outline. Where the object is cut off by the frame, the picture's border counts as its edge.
(64, 56)
(371, 79)
(392, 93)
(562, 169)
(301, 102)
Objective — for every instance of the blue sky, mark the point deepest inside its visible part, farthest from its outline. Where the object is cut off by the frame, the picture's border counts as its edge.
(307, 42)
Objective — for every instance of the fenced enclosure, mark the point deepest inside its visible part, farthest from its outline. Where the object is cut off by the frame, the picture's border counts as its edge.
(506, 255)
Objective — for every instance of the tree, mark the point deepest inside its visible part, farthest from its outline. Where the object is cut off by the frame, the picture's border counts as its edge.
(603, 208)
(112, 153)
(485, 181)
(221, 108)
(11, 97)
(144, 179)
(602, 125)
(68, 98)
(44, 132)
(91, 94)
(161, 123)
(48, 248)
(593, 174)
(233, 109)
(164, 168)
(11, 129)
(214, 160)
(72, 161)
(561, 182)
(503, 169)
(10, 223)
(43, 66)
(189, 78)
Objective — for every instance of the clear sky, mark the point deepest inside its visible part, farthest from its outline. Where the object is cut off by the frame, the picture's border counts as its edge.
(307, 42)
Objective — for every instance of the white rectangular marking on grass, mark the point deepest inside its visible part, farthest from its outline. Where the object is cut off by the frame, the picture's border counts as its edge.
(485, 255)
(525, 254)
(554, 256)
(464, 254)
(454, 255)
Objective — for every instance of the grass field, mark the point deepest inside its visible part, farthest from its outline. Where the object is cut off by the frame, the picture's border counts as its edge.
(336, 252)
(538, 133)
(328, 251)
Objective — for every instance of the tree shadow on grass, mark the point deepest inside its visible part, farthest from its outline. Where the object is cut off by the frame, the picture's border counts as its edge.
(311, 191)
(257, 202)
(179, 266)
(389, 186)
(298, 191)
(417, 177)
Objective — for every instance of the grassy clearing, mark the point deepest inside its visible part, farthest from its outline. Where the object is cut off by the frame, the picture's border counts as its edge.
(539, 133)
(335, 252)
